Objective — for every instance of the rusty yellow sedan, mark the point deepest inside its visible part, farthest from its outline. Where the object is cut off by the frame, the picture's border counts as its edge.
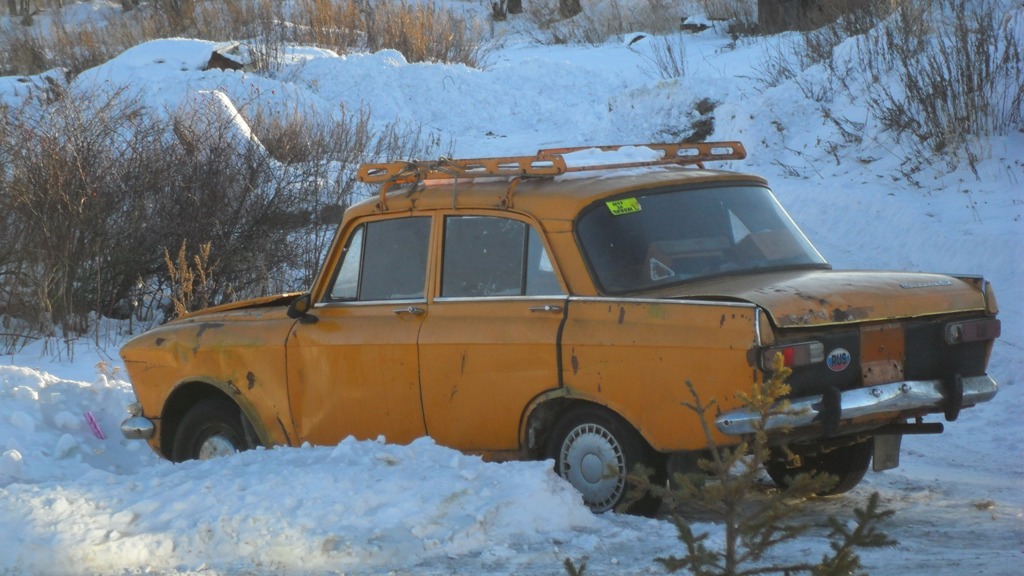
(535, 308)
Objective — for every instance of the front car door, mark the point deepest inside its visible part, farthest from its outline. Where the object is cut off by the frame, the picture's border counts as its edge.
(489, 343)
(352, 362)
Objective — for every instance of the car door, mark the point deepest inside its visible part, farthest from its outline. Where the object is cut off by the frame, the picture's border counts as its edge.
(489, 343)
(352, 362)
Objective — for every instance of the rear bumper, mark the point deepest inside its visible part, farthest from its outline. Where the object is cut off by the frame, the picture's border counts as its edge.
(913, 397)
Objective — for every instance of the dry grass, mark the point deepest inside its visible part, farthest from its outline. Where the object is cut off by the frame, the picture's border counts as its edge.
(601, 20)
(422, 31)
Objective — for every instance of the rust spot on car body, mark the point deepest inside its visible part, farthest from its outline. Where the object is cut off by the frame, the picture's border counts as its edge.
(850, 314)
(203, 327)
(250, 378)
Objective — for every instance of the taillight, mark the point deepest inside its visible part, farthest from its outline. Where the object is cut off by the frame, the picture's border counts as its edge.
(972, 330)
(793, 355)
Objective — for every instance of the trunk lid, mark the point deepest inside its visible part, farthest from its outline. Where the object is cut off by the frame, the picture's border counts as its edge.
(799, 298)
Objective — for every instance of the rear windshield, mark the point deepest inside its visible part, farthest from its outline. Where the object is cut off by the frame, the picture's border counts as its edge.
(654, 239)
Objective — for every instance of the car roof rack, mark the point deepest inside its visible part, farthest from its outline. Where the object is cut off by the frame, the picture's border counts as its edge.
(547, 163)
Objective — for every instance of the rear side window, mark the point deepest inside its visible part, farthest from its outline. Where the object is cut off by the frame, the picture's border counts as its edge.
(384, 260)
(490, 256)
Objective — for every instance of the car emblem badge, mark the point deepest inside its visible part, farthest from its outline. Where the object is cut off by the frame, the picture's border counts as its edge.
(838, 359)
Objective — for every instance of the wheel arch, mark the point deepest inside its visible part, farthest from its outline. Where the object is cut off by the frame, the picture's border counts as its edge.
(191, 392)
(545, 411)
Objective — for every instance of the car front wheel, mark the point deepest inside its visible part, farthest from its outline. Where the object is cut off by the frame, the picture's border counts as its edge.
(594, 451)
(847, 464)
(210, 429)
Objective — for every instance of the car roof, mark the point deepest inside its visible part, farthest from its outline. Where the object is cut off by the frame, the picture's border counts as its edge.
(560, 197)
(544, 186)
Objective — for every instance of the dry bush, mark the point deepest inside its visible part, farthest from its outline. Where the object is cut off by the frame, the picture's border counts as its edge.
(745, 10)
(95, 189)
(602, 19)
(55, 44)
(319, 157)
(938, 74)
(845, 21)
(664, 56)
(785, 61)
(69, 162)
(741, 14)
(75, 46)
(422, 31)
(957, 74)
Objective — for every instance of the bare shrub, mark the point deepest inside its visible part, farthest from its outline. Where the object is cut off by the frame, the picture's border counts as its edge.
(55, 44)
(180, 14)
(96, 190)
(665, 56)
(422, 31)
(783, 61)
(778, 65)
(69, 162)
(319, 158)
(600, 20)
(958, 74)
(333, 24)
(741, 14)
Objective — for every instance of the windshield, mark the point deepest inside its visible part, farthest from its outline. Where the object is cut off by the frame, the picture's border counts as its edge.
(658, 238)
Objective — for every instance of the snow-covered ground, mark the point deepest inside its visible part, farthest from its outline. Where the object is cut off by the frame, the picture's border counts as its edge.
(79, 499)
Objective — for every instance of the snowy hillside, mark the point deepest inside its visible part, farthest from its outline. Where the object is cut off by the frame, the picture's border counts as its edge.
(79, 499)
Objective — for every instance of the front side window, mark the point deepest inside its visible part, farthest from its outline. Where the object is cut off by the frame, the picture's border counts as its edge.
(654, 239)
(489, 256)
(384, 260)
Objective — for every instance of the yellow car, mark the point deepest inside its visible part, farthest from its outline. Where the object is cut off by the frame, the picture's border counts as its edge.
(535, 307)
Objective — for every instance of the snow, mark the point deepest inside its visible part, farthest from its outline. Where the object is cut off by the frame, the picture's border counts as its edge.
(79, 500)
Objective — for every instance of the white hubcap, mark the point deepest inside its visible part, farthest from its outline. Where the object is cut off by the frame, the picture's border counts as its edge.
(592, 461)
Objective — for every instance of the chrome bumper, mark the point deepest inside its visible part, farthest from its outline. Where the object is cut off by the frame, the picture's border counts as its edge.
(908, 396)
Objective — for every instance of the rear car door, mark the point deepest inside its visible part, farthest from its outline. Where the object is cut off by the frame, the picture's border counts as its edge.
(489, 343)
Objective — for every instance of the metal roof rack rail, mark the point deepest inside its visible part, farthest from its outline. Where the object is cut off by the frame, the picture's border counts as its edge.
(547, 163)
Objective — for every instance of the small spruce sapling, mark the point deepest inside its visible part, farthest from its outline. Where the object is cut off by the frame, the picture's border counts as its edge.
(755, 520)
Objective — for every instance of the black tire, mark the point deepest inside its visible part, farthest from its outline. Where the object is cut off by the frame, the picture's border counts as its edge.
(847, 464)
(210, 429)
(594, 450)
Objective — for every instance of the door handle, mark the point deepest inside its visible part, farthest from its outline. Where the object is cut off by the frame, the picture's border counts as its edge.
(415, 311)
(546, 308)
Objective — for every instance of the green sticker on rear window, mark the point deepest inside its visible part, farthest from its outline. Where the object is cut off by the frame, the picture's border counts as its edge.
(624, 206)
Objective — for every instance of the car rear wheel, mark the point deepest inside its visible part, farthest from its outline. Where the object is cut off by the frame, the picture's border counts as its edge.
(210, 429)
(595, 450)
(847, 464)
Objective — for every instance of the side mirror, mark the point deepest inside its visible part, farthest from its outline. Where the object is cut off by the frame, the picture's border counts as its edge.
(300, 306)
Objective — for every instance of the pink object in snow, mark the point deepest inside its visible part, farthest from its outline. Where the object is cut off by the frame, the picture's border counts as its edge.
(94, 426)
